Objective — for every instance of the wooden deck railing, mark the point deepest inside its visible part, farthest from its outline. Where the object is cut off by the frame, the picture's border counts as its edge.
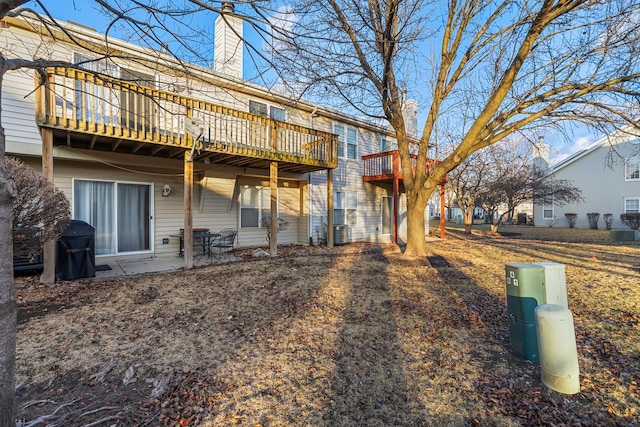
(386, 165)
(80, 101)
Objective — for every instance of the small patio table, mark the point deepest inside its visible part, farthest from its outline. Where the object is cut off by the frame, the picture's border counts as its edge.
(202, 237)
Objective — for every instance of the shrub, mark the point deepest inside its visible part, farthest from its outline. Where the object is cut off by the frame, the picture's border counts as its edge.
(40, 211)
(632, 220)
(266, 223)
(571, 219)
(593, 220)
(608, 220)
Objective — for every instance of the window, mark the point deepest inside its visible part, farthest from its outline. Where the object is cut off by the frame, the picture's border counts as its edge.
(547, 209)
(347, 141)
(255, 206)
(262, 109)
(119, 212)
(345, 208)
(632, 205)
(95, 103)
(385, 145)
(277, 113)
(632, 169)
(138, 110)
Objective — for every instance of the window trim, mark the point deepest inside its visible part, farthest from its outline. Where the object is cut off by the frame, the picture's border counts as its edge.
(548, 207)
(344, 134)
(626, 199)
(269, 110)
(635, 162)
(261, 208)
(346, 210)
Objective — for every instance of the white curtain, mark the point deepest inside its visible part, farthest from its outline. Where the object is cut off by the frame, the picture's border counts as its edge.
(93, 204)
(133, 217)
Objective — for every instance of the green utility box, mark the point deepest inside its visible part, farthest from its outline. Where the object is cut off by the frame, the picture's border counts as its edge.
(525, 291)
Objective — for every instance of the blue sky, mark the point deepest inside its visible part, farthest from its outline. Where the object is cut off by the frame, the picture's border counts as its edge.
(87, 12)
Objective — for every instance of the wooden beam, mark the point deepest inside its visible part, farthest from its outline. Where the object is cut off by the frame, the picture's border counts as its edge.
(117, 144)
(442, 211)
(188, 211)
(273, 186)
(48, 276)
(139, 146)
(157, 149)
(396, 195)
(329, 208)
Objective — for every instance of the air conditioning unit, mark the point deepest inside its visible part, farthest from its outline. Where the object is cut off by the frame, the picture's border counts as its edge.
(340, 234)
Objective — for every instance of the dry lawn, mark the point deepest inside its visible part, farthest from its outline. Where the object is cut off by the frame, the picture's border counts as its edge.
(356, 335)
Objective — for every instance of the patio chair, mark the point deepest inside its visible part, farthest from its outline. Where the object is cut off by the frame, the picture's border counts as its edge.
(223, 244)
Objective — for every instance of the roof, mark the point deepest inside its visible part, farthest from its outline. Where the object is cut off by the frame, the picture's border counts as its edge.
(618, 136)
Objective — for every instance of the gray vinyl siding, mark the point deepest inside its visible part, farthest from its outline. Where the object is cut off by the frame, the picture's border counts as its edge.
(603, 188)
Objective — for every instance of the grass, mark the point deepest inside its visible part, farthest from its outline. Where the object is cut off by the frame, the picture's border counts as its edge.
(357, 335)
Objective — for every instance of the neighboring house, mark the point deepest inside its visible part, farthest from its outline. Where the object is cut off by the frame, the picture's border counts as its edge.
(608, 174)
(142, 151)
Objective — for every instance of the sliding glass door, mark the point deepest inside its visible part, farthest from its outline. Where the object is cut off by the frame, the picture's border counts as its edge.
(120, 213)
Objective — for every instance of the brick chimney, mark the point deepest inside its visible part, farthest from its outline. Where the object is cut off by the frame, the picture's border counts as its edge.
(228, 43)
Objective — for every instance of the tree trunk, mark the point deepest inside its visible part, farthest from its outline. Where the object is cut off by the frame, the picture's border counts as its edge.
(468, 221)
(416, 242)
(8, 313)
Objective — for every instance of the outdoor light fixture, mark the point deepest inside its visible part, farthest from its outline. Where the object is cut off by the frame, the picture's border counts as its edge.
(166, 190)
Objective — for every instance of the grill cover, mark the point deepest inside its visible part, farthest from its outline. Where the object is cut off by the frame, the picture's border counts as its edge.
(76, 252)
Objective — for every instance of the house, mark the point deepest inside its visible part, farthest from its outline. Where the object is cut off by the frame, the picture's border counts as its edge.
(143, 148)
(608, 174)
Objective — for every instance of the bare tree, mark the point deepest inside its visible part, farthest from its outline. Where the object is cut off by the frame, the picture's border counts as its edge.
(497, 67)
(468, 183)
(511, 180)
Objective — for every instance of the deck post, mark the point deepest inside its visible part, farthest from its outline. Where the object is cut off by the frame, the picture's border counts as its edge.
(442, 211)
(396, 191)
(48, 276)
(188, 211)
(329, 208)
(397, 174)
(273, 226)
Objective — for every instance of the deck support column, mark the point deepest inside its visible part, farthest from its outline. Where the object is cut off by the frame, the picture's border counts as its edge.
(329, 208)
(273, 225)
(442, 211)
(48, 276)
(397, 174)
(188, 211)
(396, 191)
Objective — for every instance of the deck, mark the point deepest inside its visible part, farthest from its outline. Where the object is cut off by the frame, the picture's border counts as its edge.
(386, 166)
(90, 111)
